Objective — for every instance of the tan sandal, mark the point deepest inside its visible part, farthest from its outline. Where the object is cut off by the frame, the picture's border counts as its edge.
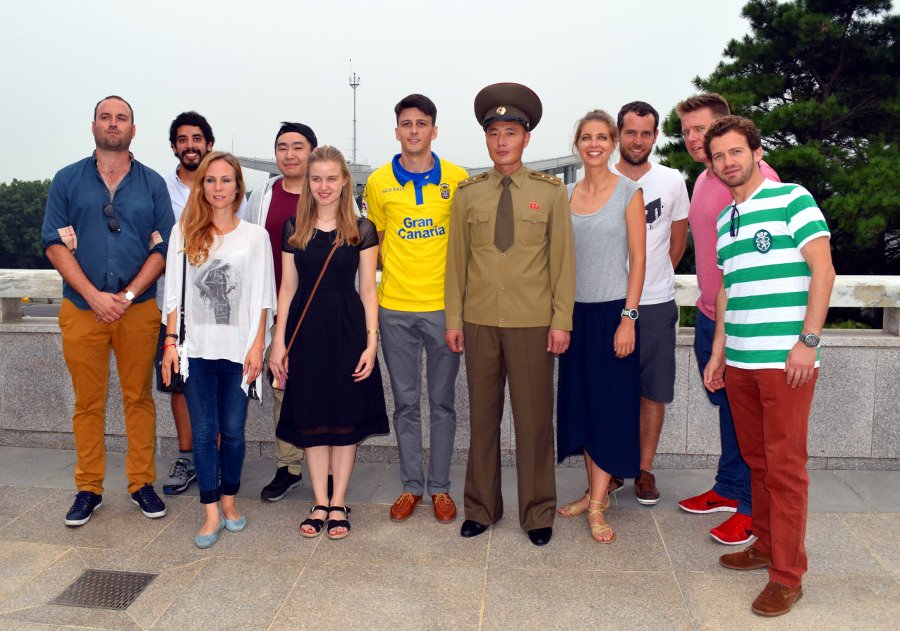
(600, 529)
(573, 509)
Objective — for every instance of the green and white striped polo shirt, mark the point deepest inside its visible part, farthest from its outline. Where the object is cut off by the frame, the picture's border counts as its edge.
(766, 277)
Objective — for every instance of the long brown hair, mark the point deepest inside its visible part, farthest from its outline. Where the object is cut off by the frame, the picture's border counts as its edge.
(307, 210)
(196, 223)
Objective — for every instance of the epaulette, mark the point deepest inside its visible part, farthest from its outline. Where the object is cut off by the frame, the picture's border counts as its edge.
(546, 177)
(477, 178)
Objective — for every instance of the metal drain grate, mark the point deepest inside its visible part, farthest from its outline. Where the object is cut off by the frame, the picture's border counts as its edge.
(104, 589)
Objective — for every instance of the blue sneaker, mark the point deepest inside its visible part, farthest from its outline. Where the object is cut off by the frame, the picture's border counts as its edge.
(83, 507)
(149, 502)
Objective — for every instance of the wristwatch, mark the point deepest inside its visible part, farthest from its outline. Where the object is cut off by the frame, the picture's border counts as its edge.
(129, 295)
(810, 339)
(630, 313)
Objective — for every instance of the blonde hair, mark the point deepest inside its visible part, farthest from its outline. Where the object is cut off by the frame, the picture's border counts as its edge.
(196, 222)
(600, 116)
(307, 210)
(715, 102)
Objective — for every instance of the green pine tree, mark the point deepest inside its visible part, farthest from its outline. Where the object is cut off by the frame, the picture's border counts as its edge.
(821, 80)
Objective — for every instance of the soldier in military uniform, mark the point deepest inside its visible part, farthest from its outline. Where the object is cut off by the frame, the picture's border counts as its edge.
(509, 294)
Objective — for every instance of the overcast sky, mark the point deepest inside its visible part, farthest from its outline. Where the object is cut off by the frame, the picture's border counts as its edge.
(248, 65)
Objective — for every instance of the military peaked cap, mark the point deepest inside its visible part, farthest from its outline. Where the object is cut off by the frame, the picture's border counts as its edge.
(508, 102)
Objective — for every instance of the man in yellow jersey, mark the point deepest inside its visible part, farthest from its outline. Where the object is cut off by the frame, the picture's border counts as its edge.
(409, 200)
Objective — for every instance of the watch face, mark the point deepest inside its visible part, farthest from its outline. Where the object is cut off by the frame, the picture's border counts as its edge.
(129, 295)
(810, 339)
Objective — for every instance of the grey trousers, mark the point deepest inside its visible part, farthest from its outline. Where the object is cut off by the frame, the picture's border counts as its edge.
(404, 334)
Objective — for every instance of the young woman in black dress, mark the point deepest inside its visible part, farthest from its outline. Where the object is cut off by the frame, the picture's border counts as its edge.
(333, 393)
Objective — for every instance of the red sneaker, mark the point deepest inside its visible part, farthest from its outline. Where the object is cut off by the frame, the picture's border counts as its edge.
(734, 531)
(709, 502)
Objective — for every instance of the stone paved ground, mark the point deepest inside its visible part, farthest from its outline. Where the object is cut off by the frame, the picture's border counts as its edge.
(661, 573)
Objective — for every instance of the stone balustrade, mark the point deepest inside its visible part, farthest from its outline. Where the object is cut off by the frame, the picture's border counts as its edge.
(855, 421)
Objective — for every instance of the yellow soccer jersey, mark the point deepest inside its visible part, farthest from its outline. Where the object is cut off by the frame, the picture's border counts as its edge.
(413, 211)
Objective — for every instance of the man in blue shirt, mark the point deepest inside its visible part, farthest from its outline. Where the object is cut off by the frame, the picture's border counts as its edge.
(106, 231)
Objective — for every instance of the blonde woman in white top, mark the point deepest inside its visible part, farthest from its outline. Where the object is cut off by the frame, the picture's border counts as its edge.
(229, 304)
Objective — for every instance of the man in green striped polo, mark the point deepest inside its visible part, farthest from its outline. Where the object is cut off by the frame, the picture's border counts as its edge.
(774, 249)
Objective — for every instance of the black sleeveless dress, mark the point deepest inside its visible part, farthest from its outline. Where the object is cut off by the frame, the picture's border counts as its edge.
(322, 404)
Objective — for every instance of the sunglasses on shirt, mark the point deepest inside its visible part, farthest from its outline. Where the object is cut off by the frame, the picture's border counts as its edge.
(735, 221)
(111, 220)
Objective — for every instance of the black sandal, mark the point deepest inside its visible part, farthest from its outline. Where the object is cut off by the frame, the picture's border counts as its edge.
(338, 523)
(316, 524)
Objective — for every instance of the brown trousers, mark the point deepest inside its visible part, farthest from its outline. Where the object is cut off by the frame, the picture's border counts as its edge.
(771, 421)
(86, 343)
(493, 355)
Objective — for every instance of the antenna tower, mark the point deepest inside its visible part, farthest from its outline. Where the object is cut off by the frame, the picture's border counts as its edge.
(354, 83)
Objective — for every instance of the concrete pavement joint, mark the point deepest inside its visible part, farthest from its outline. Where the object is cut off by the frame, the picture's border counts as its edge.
(871, 550)
(202, 563)
(38, 575)
(484, 581)
(672, 570)
(49, 498)
(170, 522)
(871, 508)
(284, 600)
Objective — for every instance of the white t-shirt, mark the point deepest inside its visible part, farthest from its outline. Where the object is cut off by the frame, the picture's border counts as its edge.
(225, 295)
(665, 200)
(178, 193)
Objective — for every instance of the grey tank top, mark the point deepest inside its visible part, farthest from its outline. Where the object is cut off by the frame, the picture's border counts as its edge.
(601, 247)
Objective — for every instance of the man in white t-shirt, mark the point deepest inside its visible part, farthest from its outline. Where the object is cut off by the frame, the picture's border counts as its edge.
(191, 138)
(666, 205)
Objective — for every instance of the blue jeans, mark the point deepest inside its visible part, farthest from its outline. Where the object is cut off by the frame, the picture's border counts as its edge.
(218, 407)
(733, 476)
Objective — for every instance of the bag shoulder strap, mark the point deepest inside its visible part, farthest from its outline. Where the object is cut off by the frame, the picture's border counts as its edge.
(311, 294)
(181, 306)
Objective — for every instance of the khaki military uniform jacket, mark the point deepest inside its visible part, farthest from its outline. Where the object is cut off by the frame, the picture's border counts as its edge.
(532, 283)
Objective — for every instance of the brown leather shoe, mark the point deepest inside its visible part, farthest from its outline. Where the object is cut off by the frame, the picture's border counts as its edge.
(747, 559)
(614, 485)
(404, 506)
(645, 489)
(444, 508)
(776, 599)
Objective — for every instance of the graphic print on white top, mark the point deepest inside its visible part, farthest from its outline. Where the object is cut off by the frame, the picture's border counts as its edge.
(654, 211)
(217, 292)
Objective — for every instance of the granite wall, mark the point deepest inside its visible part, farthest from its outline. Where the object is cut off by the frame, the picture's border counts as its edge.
(855, 422)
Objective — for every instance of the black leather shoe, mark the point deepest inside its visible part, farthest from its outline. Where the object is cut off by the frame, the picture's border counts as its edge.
(472, 528)
(540, 536)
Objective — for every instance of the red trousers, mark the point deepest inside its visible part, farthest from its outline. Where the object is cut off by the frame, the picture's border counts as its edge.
(771, 421)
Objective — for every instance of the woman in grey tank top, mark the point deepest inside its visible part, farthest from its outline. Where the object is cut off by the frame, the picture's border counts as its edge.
(599, 377)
